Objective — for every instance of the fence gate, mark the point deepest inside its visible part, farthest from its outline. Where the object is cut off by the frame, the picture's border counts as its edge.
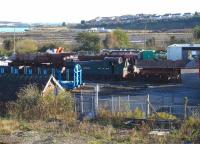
(85, 103)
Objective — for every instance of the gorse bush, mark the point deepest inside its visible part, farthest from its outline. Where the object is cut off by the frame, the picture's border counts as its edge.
(105, 114)
(27, 104)
(31, 105)
(163, 116)
(58, 106)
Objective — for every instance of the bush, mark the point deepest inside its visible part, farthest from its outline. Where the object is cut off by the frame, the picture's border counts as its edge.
(8, 44)
(4, 52)
(58, 106)
(196, 32)
(26, 106)
(26, 46)
(163, 116)
(189, 131)
(31, 105)
(88, 41)
(106, 117)
(44, 47)
(138, 114)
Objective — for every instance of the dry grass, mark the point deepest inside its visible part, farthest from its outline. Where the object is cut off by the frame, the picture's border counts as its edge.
(105, 117)
(8, 126)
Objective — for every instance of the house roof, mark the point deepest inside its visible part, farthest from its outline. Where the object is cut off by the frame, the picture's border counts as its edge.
(185, 46)
(52, 79)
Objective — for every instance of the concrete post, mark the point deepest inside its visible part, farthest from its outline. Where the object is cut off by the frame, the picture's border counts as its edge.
(96, 97)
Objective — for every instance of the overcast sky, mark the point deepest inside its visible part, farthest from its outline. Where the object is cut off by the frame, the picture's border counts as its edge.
(77, 10)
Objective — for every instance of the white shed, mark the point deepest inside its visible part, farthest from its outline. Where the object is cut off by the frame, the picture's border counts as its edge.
(180, 51)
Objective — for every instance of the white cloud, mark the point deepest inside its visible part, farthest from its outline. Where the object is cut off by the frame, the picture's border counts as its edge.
(76, 10)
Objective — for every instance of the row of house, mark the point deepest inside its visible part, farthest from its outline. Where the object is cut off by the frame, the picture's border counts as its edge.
(137, 17)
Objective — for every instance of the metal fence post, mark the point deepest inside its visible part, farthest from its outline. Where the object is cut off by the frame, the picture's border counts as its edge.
(129, 104)
(185, 107)
(112, 104)
(148, 107)
(119, 103)
(81, 98)
(75, 101)
(96, 98)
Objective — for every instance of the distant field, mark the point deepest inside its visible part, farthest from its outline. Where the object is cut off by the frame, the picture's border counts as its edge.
(67, 36)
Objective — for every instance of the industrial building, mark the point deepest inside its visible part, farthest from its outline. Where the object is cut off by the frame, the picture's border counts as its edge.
(182, 51)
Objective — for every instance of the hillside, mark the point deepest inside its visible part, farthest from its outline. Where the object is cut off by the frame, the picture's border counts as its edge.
(164, 24)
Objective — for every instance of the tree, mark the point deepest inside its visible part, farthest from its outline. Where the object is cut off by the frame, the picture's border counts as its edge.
(174, 40)
(64, 24)
(26, 46)
(88, 41)
(117, 39)
(150, 43)
(196, 13)
(8, 44)
(196, 32)
(47, 46)
(82, 22)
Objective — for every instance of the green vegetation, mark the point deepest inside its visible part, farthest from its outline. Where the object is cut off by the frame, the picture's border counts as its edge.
(63, 24)
(26, 46)
(4, 52)
(151, 43)
(88, 41)
(48, 114)
(163, 116)
(116, 39)
(44, 47)
(32, 106)
(8, 44)
(196, 32)
(189, 131)
(116, 119)
(174, 40)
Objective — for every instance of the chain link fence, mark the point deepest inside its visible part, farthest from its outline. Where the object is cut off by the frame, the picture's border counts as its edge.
(90, 102)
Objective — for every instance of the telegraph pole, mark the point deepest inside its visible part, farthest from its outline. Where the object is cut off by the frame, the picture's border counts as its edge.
(14, 51)
(145, 46)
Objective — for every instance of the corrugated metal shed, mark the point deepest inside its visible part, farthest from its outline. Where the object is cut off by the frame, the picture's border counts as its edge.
(176, 51)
